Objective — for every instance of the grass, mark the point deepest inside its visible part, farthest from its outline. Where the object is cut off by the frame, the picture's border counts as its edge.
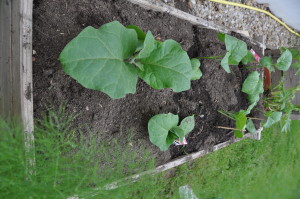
(70, 163)
(269, 168)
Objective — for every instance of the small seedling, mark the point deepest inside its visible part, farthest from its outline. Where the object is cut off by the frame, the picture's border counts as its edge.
(242, 123)
(164, 129)
(110, 59)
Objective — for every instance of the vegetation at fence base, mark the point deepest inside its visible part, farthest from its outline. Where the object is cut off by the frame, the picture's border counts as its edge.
(68, 162)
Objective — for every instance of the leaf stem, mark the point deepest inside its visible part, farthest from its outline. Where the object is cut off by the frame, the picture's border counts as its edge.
(211, 57)
(224, 127)
(255, 118)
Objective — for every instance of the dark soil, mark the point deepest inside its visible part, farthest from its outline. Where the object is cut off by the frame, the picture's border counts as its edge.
(56, 22)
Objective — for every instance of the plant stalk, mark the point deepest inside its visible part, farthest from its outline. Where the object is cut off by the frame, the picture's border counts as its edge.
(211, 57)
(228, 128)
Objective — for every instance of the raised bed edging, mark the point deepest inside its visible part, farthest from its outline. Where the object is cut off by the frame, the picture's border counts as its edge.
(26, 65)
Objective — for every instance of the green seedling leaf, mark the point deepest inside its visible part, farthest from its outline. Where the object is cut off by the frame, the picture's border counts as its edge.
(187, 124)
(236, 51)
(253, 84)
(238, 134)
(159, 128)
(284, 61)
(163, 129)
(95, 58)
(253, 99)
(179, 132)
(221, 37)
(170, 139)
(248, 58)
(168, 66)
(250, 126)
(225, 62)
(196, 73)
(141, 36)
(295, 52)
(150, 44)
(240, 120)
(273, 118)
(267, 62)
(140, 33)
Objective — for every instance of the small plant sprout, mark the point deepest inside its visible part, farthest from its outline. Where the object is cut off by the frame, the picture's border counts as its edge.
(164, 129)
(110, 59)
(236, 52)
(242, 123)
(279, 103)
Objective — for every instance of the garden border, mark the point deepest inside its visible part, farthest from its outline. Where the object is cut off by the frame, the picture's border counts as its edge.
(16, 97)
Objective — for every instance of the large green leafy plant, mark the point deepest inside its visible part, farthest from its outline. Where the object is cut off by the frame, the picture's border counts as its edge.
(164, 129)
(110, 59)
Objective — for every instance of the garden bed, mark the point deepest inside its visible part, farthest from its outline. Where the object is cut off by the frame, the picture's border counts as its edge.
(56, 22)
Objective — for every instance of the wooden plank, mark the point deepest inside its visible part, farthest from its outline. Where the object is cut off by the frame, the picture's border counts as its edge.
(24, 67)
(162, 7)
(16, 69)
(5, 59)
(179, 161)
(292, 80)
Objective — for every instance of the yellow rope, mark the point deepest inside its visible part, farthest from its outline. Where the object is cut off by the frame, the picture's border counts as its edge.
(256, 9)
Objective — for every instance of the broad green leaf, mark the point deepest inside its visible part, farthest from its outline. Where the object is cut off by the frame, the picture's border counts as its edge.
(140, 33)
(253, 99)
(237, 49)
(295, 52)
(284, 61)
(253, 84)
(240, 120)
(272, 119)
(150, 44)
(179, 132)
(250, 126)
(224, 62)
(168, 66)
(159, 127)
(95, 58)
(248, 58)
(221, 36)
(267, 62)
(187, 124)
(141, 36)
(170, 139)
(196, 73)
(238, 134)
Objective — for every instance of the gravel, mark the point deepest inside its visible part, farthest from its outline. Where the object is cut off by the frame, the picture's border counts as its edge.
(260, 26)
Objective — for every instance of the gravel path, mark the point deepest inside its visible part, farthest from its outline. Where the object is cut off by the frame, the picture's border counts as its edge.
(260, 26)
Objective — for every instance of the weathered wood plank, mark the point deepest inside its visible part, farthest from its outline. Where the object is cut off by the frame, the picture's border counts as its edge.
(161, 7)
(5, 59)
(16, 69)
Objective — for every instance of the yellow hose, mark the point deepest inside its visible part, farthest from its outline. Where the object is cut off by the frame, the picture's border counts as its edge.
(256, 9)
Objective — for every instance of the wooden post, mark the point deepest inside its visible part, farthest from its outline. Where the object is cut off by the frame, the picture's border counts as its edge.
(16, 68)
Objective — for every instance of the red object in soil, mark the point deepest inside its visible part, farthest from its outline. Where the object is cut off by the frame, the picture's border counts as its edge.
(267, 74)
(267, 79)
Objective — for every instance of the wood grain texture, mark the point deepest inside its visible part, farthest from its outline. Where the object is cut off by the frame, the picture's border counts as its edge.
(5, 59)
(16, 69)
(161, 7)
